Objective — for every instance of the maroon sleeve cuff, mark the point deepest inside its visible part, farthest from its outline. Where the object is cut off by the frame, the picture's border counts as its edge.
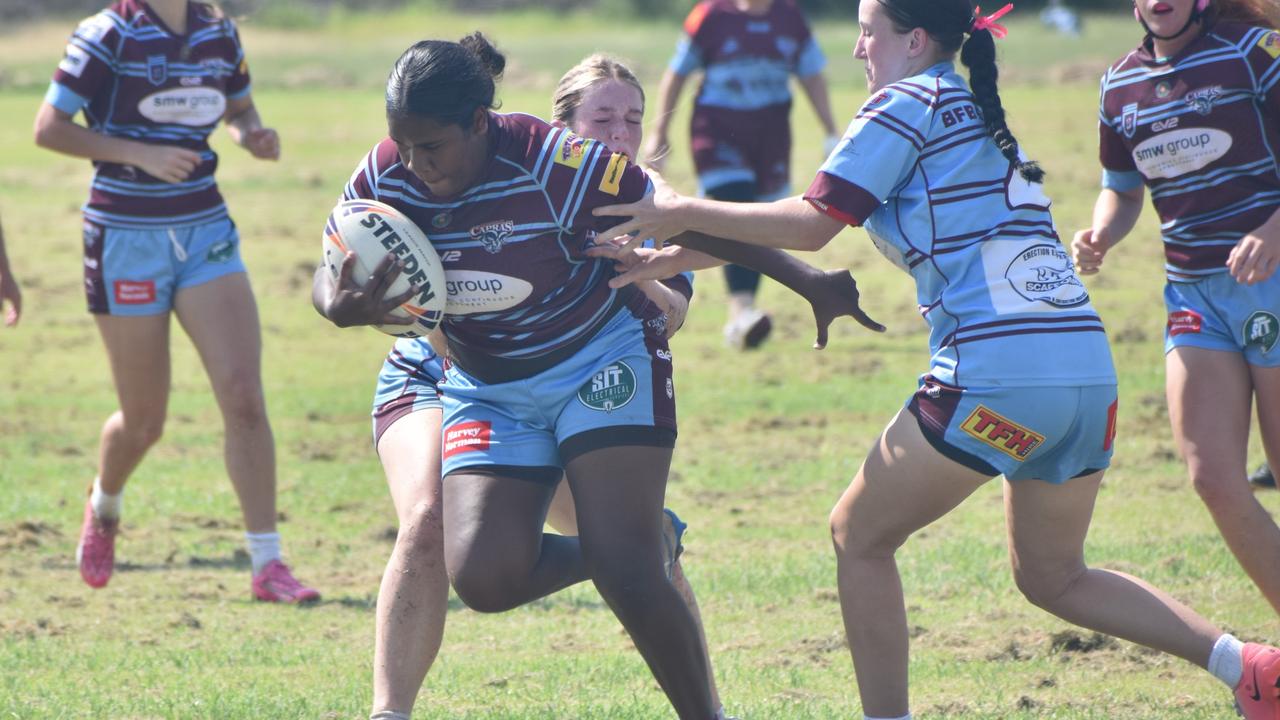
(833, 195)
(680, 284)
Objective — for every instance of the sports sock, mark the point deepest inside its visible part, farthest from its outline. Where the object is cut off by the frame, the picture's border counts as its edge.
(263, 548)
(1225, 662)
(389, 715)
(904, 717)
(105, 506)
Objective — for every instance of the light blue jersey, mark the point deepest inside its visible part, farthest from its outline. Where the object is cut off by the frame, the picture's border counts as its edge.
(1000, 294)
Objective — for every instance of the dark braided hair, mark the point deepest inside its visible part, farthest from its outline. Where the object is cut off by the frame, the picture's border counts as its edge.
(947, 22)
(445, 81)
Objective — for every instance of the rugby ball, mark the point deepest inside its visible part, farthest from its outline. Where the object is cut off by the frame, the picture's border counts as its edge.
(371, 230)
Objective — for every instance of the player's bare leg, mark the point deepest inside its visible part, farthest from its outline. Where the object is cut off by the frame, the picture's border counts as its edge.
(902, 486)
(562, 516)
(221, 318)
(619, 493)
(1266, 388)
(1047, 527)
(414, 594)
(138, 350)
(1210, 395)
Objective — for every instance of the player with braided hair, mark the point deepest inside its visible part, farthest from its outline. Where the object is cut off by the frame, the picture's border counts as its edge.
(1020, 383)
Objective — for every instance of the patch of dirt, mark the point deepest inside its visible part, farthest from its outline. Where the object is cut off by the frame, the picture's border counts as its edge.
(27, 535)
(1072, 641)
(30, 630)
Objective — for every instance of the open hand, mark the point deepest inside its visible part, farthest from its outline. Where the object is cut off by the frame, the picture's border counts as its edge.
(833, 294)
(655, 216)
(354, 304)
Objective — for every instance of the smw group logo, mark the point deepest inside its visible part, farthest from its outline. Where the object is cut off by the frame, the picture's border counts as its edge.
(610, 388)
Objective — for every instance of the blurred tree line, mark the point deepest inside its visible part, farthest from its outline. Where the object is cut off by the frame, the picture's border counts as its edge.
(283, 10)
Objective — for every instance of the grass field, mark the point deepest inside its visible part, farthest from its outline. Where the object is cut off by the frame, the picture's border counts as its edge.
(768, 442)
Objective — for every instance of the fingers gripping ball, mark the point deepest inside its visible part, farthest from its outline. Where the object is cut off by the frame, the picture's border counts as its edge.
(371, 230)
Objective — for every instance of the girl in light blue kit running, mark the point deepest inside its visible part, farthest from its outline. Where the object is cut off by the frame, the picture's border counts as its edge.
(1020, 381)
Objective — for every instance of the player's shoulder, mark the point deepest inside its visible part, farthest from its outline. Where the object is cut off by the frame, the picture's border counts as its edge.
(1241, 35)
(381, 160)
(102, 27)
(211, 19)
(529, 142)
(706, 11)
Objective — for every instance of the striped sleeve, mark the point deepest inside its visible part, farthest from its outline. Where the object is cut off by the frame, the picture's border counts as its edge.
(87, 65)
(238, 84)
(811, 60)
(879, 150)
(586, 175)
(1264, 59)
(1118, 169)
(688, 57)
(364, 181)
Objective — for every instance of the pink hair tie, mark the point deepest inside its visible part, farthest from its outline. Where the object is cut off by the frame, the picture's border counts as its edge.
(989, 22)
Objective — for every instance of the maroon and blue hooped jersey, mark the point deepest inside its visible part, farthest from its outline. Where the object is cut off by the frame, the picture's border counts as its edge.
(748, 59)
(1200, 129)
(135, 78)
(512, 246)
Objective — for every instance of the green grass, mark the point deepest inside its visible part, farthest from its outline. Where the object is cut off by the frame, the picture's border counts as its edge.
(769, 441)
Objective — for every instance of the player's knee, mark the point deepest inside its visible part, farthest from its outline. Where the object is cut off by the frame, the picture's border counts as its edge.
(853, 539)
(1217, 490)
(422, 530)
(1045, 586)
(242, 400)
(143, 430)
(485, 592)
(622, 572)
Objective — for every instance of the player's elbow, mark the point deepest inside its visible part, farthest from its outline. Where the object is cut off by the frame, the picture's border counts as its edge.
(810, 238)
(46, 127)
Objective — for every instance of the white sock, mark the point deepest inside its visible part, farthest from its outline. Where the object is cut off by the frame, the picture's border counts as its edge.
(263, 548)
(1225, 662)
(388, 715)
(105, 506)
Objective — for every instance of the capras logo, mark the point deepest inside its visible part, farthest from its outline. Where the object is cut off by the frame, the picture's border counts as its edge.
(493, 236)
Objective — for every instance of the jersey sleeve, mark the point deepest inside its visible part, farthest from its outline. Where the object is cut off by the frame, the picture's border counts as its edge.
(1263, 56)
(363, 184)
(87, 65)
(1118, 169)
(688, 57)
(586, 175)
(878, 152)
(238, 85)
(811, 61)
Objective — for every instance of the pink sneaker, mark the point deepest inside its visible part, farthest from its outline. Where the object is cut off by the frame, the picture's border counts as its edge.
(1258, 695)
(276, 584)
(96, 553)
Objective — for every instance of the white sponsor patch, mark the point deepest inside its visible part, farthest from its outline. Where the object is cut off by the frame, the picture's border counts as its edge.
(74, 62)
(1180, 151)
(95, 28)
(194, 106)
(1023, 278)
(473, 291)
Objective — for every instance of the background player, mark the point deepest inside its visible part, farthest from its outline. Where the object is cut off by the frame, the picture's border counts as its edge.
(934, 172)
(9, 291)
(153, 80)
(1209, 71)
(741, 128)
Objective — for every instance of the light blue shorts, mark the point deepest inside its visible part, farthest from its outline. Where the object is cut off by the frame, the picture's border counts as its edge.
(137, 272)
(1218, 313)
(1047, 433)
(617, 390)
(406, 384)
